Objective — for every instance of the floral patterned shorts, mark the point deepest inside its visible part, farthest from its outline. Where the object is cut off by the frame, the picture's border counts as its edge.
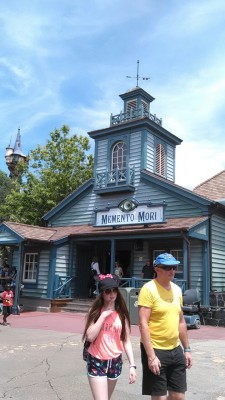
(104, 368)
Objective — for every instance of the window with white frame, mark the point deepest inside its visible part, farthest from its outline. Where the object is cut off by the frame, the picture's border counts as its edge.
(30, 267)
(178, 254)
(156, 253)
(119, 155)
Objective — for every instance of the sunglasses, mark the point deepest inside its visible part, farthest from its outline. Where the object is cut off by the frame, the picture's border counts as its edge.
(169, 267)
(109, 291)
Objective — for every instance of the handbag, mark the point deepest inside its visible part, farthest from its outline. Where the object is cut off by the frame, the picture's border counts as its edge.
(85, 349)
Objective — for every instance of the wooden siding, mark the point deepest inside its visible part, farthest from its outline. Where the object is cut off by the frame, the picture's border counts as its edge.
(101, 161)
(135, 155)
(176, 206)
(7, 237)
(39, 291)
(150, 152)
(196, 267)
(170, 163)
(139, 260)
(78, 214)
(43, 270)
(218, 252)
(62, 261)
(82, 211)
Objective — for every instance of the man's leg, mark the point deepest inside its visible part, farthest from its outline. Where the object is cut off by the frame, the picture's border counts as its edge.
(176, 396)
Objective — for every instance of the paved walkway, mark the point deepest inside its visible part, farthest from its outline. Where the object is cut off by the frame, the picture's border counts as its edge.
(74, 323)
(41, 358)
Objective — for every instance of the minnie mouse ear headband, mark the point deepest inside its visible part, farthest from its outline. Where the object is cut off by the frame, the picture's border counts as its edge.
(108, 281)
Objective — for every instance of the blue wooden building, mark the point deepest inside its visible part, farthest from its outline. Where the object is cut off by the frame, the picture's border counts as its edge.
(130, 211)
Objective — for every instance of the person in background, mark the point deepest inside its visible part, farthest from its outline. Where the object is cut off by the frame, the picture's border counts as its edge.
(93, 278)
(118, 270)
(163, 328)
(108, 329)
(7, 297)
(5, 274)
(13, 275)
(148, 271)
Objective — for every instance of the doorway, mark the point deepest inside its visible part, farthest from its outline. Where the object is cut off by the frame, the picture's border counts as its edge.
(124, 257)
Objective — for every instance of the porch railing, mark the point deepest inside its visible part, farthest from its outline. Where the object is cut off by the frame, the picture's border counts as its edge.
(134, 113)
(62, 287)
(115, 177)
(138, 283)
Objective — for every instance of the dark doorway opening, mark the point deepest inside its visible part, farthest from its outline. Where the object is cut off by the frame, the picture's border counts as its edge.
(124, 257)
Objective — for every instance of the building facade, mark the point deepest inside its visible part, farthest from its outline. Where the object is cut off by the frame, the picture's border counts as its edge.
(130, 211)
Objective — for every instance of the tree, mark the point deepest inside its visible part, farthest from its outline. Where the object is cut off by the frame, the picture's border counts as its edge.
(5, 187)
(54, 171)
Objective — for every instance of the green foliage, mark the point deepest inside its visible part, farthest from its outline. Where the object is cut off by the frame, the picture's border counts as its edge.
(54, 171)
(5, 187)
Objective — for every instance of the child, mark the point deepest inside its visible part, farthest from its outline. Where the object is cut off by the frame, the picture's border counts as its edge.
(7, 297)
(108, 329)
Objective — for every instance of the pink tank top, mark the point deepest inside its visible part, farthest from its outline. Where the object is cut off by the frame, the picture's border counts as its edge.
(108, 345)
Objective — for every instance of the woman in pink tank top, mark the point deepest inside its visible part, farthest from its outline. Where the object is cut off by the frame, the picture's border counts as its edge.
(108, 331)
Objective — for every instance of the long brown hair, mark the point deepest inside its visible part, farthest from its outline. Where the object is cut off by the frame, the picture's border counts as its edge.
(95, 312)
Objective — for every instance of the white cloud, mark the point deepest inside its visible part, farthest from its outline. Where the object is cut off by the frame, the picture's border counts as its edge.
(197, 161)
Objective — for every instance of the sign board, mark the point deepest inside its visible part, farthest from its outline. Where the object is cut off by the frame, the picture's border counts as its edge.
(140, 215)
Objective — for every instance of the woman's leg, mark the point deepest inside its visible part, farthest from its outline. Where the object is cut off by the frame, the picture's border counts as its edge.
(111, 387)
(99, 387)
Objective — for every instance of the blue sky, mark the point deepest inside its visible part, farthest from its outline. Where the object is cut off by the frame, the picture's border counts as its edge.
(67, 62)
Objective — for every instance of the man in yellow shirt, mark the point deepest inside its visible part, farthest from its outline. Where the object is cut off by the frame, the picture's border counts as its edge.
(163, 328)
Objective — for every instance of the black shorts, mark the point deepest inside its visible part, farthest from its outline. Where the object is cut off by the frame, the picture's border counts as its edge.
(7, 311)
(172, 373)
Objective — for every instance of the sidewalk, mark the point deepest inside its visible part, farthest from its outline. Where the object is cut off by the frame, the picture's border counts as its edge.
(42, 358)
(74, 323)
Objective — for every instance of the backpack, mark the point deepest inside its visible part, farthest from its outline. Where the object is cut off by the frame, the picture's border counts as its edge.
(85, 349)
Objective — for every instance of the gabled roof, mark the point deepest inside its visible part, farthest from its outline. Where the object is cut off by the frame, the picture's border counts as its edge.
(30, 232)
(50, 235)
(213, 188)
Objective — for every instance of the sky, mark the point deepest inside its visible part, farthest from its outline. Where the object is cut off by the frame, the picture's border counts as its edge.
(67, 63)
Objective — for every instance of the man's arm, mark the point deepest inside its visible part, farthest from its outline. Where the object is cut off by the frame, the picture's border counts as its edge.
(183, 336)
(153, 361)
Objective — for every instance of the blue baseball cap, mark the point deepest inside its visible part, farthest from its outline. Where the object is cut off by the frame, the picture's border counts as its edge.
(165, 259)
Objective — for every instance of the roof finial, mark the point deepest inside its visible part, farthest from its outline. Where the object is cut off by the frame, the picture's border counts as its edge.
(138, 77)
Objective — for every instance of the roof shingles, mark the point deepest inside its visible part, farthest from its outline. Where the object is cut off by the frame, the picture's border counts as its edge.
(56, 233)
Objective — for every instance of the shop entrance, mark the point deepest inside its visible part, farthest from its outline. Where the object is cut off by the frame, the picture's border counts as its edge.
(85, 254)
(124, 257)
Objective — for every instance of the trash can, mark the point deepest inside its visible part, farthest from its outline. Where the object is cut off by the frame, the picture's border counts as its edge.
(125, 291)
(133, 306)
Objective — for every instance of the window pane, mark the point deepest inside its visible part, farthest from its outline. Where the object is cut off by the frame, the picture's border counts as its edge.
(30, 267)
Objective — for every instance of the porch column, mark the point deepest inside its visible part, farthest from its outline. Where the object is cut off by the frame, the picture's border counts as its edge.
(206, 273)
(112, 261)
(185, 263)
(51, 274)
(15, 308)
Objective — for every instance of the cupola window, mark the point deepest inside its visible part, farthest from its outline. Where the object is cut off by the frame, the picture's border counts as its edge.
(144, 106)
(119, 155)
(131, 105)
(160, 160)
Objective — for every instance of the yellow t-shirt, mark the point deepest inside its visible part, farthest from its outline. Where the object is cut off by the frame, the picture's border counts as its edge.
(165, 308)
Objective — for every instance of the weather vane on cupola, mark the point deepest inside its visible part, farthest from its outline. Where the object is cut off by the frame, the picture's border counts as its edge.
(138, 76)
